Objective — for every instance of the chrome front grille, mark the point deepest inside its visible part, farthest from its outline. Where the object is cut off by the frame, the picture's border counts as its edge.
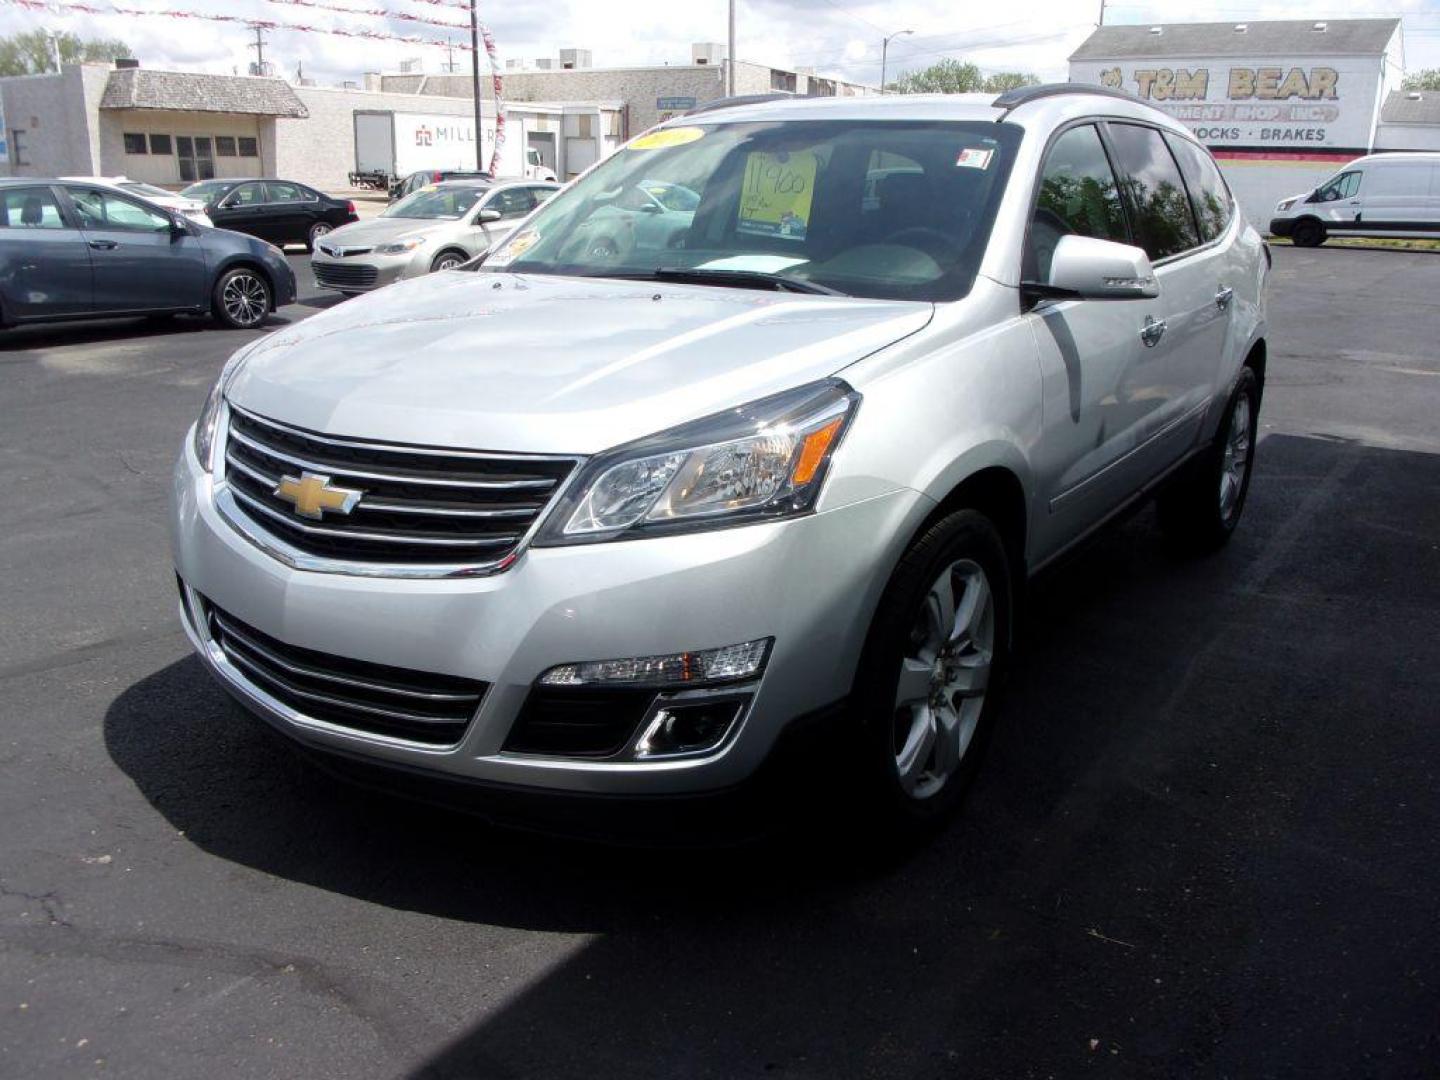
(341, 276)
(375, 698)
(417, 507)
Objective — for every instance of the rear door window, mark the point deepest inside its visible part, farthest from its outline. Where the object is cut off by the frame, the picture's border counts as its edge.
(1208, 193)
(30, 208)
(1155, 192)
(1078, 196)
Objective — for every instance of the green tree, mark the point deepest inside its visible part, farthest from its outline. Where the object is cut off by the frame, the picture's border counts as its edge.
(31, 53)
(958, 77)
(1429, 79)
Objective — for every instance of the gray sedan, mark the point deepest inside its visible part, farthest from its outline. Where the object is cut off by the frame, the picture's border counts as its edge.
(436, 228)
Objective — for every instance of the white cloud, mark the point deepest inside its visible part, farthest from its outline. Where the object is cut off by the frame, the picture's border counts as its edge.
(835, 36)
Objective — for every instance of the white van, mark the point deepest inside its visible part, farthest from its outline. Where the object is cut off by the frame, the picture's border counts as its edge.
(1377, 195)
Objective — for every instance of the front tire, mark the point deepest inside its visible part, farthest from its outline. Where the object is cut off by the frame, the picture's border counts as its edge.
(1201, 509)
(925, 696)
(241, 299)
(1308, 233)
(447, 260)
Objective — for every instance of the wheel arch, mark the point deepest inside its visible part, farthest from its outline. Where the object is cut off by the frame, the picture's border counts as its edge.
(449, 249)
(244, 262)
(998, 492)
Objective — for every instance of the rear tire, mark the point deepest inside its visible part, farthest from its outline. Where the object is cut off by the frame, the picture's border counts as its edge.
(1203, 506)
(1308, 233)
(319, 229)
(925, 688)
(241, 299)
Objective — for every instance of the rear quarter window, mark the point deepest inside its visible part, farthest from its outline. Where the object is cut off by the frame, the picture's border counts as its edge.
(1208, 192)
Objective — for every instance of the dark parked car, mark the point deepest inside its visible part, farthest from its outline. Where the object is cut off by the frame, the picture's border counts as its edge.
(408, 185)
(280, 211)
(73, 250)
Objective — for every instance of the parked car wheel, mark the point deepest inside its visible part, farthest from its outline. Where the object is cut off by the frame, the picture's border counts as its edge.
(1201, 509)
(241, 299)
(1308, 233)
(925, 688)
(448, 260)
(319, 229)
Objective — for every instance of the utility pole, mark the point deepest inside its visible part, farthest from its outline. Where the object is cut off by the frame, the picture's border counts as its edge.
(259, 46)
(450, 57)
(884, 49)
(730, 56)
(475, 71)
(1102, 14)
(54, 48)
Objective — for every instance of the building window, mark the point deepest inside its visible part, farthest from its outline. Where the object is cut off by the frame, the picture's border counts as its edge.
(612, 125)
(134, 143)
(248, 147)
(224, 145)
(583, 126)
(17, 148)
(160, 144)
(782, 80)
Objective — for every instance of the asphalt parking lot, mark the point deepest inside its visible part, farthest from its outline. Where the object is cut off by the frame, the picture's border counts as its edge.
(1206, 842)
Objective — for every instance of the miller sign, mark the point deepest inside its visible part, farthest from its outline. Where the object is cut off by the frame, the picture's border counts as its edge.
(1256, 104)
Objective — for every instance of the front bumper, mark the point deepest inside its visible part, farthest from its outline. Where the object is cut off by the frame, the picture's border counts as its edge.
(1281, 226)
(809, 583)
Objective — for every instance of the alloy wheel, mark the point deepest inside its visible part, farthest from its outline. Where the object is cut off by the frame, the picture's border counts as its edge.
(245, 299)
(448, 262)
(318, 230)
(944, 676)
(1235, 462)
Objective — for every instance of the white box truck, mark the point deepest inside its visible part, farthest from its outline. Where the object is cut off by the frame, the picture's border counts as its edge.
(391, 145)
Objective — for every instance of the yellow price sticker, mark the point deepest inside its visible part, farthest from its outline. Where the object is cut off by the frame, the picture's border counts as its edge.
(666, 137)
(777, 192)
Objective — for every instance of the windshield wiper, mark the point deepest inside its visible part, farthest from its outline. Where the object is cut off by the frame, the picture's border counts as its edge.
(753, 279)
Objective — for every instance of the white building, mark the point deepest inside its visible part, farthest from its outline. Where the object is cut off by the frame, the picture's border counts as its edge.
(1281, 104)
(171, 128)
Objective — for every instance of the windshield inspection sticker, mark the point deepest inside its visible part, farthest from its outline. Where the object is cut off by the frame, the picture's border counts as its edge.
(775, 199)
(666, 137)
(974, 158)
(513, 248)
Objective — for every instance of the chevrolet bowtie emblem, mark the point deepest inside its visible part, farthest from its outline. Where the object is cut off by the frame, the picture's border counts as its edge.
(312, 495)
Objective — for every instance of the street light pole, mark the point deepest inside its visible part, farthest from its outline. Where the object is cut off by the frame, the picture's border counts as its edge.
(730, 56)
(885, 48)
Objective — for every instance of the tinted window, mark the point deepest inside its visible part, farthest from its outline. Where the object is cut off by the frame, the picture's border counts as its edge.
(134, 142)
(1078, 196)
(511, 202)
(30, 208)
(107, 210)
(1160, 208)
(245, 195)
(1208, 193)
(284, 192)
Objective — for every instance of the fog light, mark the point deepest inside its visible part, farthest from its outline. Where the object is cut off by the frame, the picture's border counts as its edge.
(685, 727)
(731, 663)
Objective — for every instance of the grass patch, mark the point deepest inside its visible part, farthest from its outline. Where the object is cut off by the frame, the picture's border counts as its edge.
(1396, 243)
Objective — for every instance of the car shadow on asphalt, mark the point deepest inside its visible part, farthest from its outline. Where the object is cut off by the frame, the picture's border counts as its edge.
(1205, 840)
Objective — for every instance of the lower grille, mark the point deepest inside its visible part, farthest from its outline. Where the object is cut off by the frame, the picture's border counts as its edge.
(588, 723)
(374, 698)
(344, 277)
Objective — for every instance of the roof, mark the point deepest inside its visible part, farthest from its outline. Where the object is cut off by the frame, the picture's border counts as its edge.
(1411, 107)
(1282, 37)
(137, 88)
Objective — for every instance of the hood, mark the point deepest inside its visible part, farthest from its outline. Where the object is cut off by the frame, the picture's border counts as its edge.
(378, 230)
(544, 364)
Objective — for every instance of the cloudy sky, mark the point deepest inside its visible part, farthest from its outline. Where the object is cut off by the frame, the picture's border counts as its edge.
(835, 36)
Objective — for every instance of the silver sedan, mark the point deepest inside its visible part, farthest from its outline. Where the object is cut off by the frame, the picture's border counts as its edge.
(436, 228)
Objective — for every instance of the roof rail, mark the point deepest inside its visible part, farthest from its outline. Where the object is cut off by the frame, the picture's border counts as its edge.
(1023, 95)
(735, 102)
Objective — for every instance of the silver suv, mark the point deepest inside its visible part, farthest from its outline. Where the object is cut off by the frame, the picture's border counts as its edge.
(613, 512)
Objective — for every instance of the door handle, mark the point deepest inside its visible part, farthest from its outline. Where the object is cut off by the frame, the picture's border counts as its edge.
(1152, 331)
(104, 245)
(1224, 296)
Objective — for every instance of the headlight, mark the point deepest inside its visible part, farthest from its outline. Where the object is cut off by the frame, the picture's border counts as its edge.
(1285, 204)
(210, 414)
(399, 247)
(764, 460)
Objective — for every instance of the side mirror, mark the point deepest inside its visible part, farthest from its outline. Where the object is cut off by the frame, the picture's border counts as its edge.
(1084, 268)
(488, 215)
(179, 226)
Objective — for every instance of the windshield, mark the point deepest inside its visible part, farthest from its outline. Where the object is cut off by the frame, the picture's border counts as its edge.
(206, 190)
(148, 190)
(436, 204)
(887, 209)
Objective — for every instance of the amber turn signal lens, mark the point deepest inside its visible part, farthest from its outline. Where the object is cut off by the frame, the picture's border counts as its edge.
(812, 452)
